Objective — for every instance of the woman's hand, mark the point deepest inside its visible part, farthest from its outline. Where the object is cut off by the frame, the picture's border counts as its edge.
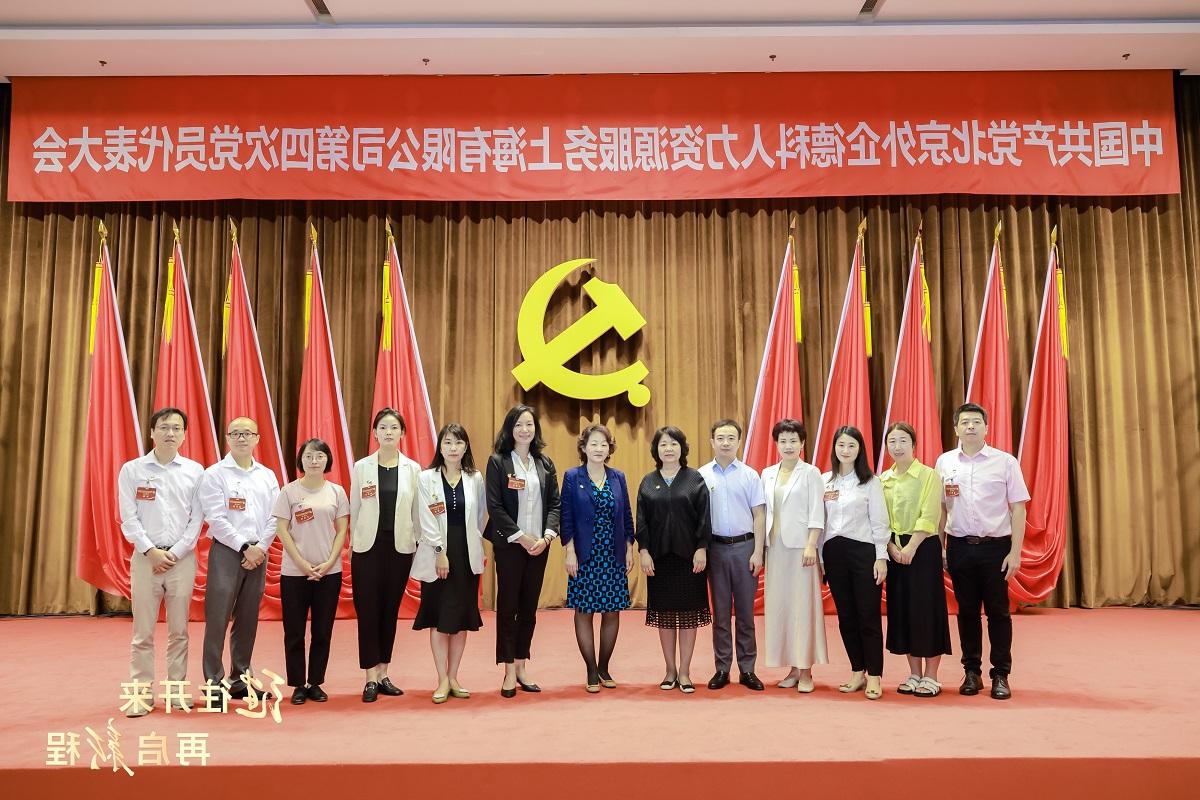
(810, 556)
(907, 553)
(699, 560)
(628, 560)
(443, 565)
(893, 551)
(880, 570)
(647, 563)
(539, 546)
(571, 562)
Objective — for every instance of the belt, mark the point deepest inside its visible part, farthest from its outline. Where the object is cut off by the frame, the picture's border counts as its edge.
(745, 537)
(981, 539)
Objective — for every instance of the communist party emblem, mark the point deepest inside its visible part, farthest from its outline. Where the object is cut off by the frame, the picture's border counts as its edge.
(544, 360)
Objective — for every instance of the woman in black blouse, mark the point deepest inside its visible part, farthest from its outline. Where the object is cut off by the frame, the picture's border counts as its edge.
(673, 532)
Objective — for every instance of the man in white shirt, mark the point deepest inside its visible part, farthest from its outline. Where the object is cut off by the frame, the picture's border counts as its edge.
(982, 528)
(237, 494)
(161, 518)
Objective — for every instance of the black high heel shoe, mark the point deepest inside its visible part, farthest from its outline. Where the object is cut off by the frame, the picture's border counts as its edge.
(508, 692)
(528, 687)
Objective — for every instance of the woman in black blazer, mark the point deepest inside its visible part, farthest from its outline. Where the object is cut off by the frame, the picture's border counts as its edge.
(523, 519)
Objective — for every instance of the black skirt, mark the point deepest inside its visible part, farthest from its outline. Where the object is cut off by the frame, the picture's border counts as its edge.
(676, 597)
(918, 624)
(451, 604)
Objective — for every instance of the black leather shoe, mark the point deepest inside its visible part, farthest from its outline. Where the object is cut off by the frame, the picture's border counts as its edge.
(299, 696)
(238, 692)
(317, 694)
(750, 681)
(720, 680)
(508, 693)
(1000, 689)
(528, 687)
(390, 689)
(971, 685)
(371, 692)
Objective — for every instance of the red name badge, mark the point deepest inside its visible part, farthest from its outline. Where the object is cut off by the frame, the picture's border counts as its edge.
(831, 494)
(146, 493)
(305, 515)
(368, 492)
(951, 490)
(237, 504)
(437, 509)
(516, 483)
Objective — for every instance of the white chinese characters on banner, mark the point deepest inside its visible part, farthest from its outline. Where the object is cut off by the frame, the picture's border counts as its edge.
(333, 148)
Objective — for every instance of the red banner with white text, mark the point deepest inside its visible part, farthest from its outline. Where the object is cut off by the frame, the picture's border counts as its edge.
(596, 137)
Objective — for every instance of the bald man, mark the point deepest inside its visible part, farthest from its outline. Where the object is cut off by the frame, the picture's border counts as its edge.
(237, 494)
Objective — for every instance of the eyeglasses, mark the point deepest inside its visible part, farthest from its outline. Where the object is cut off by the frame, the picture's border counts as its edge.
(241, 436)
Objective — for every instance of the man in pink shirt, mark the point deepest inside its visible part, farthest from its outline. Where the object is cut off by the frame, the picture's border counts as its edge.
(982, 527)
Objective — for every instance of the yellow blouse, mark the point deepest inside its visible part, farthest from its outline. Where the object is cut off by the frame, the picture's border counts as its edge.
(913, 499)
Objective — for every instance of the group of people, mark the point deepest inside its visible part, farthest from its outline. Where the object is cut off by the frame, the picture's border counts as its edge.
(699, 535)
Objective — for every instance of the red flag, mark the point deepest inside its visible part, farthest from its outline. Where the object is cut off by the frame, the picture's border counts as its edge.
(113, 437)
(848, 392)
(989, 382)
(321, 413)
(777, 395)
(400, 384)
(1045, 447)
(182, 383)
(913, 396)
(247, 395)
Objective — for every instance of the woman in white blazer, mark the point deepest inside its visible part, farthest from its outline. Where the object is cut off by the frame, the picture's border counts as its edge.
(383, 537)
(795, 619)
(451, 508)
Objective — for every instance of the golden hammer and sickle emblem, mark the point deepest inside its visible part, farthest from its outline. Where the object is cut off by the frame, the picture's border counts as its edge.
(544, 360)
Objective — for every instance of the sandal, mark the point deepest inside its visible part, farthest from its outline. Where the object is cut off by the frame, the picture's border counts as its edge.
(910, 685)
(928, 687)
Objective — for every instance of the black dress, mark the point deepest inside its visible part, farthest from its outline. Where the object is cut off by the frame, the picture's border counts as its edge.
(672, 523)
(451, 604)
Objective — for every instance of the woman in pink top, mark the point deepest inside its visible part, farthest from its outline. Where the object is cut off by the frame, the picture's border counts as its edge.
(311, 518)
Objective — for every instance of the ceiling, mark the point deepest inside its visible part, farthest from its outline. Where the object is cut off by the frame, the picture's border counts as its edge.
(141, 37)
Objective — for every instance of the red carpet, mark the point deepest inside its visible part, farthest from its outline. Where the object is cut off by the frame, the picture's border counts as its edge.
(1104, 706)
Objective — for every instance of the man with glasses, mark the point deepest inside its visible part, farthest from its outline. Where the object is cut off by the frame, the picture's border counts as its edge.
(161, 518)
(237, 494)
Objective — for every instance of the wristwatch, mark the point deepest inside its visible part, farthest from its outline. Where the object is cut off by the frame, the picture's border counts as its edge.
(437, 548)
(244, 547)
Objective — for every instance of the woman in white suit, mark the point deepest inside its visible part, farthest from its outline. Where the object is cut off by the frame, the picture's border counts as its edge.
(795, 619)
(452, 509)
(383, 536)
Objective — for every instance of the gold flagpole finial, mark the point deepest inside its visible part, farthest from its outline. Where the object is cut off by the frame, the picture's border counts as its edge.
(233, 230)
(103, 231)
(175, 230)
(999, 226)
(1054, 237)
(387, 227)
(793, 222)
(862, 228)
(312, 233)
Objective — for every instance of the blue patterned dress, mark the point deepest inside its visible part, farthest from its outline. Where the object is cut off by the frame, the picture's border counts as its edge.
(600, 585)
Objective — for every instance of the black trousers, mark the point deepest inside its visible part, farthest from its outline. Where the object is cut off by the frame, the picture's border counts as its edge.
(297, 597)
(518, 586)
(850, 573)
(379, 577)
(976, 570)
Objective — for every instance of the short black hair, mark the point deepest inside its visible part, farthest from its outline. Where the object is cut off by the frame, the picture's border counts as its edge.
(388, 411)
(861, 468)
(969, 407)
(162, 413)
(458, 432)
(722, 423)
(595, 427)
(677, 435)
(315, 444)
(788, 425)
(504, 437)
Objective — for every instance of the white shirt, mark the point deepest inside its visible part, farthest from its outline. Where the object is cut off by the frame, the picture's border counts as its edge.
(529, 500)
(160, 505)
(237, 503)
(857, 512)
(977, 491)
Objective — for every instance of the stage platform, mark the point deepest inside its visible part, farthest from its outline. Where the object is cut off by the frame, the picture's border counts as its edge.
(1105, 705)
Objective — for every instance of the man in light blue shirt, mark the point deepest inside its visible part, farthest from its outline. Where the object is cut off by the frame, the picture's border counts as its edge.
(735, 558)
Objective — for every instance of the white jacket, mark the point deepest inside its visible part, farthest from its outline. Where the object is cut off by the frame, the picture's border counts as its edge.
(364, 511)
(432, 533)
(803, 504)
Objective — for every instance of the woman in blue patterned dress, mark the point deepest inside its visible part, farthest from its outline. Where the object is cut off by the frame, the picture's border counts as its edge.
(597, 532)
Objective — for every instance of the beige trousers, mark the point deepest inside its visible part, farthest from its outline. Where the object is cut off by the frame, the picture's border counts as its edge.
(149, 591)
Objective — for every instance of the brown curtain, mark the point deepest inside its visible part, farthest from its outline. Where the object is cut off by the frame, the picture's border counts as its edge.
(703, 275)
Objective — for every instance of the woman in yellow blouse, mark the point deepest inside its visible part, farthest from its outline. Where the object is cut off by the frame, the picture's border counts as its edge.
(918, 626)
